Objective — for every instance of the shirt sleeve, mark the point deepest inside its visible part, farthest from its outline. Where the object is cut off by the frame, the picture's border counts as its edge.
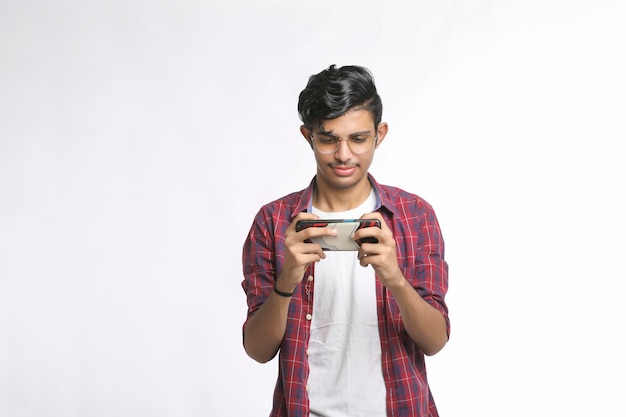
(422, 258)
(432, 267)
(259, 266)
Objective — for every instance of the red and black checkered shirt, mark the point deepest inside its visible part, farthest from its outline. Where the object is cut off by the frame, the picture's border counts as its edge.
(420, 251)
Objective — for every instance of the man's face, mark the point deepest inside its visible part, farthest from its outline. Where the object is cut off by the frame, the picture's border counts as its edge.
(344, 169)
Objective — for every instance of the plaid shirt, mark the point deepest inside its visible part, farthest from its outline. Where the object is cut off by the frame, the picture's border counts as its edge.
(420, 251)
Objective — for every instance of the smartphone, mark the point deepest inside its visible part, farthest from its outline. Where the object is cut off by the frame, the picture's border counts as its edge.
(344, 227)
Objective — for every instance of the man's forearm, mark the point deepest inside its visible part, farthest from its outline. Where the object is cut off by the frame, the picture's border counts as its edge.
(266, 328)
(424, 323)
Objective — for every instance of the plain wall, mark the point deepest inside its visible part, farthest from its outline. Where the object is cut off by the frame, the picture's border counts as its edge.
(138, 139)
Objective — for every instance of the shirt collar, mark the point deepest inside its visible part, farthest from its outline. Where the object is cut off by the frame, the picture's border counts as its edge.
(383, 200)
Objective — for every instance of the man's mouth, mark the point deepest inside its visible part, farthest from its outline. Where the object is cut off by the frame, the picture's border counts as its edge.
(343, 170)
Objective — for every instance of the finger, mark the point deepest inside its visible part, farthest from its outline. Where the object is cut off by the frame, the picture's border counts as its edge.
(368, 236)
(302, 216)
(372, 248)
(373, 215)
(313, 232)
(305, 248)
(376, 215)
(365, 259)
(307, 258)
(363, 254)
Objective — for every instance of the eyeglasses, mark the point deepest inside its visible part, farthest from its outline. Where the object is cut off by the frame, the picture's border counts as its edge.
(358, 144)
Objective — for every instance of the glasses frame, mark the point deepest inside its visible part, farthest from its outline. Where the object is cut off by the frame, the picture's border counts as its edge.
(374, 141)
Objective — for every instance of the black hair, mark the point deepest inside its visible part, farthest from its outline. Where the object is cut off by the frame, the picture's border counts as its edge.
(334, 91)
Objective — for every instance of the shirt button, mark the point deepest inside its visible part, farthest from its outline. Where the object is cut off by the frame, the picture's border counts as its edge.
(310, 278)
(309, 316)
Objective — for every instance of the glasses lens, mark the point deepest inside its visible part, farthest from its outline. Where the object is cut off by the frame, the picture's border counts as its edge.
(326, 144)
(361, 144)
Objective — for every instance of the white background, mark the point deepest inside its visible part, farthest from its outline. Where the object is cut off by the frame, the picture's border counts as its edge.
(139, 138)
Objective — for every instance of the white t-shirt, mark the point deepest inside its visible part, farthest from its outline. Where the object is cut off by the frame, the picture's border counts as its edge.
(344, 351)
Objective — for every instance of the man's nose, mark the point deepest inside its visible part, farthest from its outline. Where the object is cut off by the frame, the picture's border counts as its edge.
(344, 152)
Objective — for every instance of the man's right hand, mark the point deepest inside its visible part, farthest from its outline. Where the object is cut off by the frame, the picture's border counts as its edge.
(299, 254)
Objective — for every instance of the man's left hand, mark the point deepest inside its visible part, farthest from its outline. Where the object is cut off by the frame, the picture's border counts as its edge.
(381, 255)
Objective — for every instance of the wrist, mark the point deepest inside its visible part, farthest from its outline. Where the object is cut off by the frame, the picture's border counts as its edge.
(397, 281)
(283, 293)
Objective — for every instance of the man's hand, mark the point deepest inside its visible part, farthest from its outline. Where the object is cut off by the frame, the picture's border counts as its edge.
(266, 328)
(299, 254)
(424, 324)
(381, 255)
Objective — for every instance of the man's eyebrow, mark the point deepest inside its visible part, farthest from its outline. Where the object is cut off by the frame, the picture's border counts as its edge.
(325, 133)
(363, 132)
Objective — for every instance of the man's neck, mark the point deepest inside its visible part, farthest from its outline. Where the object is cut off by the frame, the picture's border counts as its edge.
(338, 200)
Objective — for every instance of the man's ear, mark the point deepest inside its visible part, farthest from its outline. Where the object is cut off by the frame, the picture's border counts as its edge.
(382, 130)
(306, 132)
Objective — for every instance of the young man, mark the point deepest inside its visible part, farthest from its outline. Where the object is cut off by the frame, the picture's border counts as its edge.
(352, 327)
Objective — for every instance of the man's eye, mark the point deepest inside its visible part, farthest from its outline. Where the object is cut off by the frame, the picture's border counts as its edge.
(358, 140)
(327, 141)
